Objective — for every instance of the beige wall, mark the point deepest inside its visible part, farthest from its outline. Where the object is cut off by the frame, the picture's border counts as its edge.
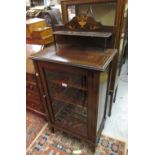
(55, 1)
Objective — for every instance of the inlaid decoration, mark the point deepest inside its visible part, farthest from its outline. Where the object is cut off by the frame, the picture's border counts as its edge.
(83, 22)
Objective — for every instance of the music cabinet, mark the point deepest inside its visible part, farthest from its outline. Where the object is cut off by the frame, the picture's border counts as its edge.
(74, 77)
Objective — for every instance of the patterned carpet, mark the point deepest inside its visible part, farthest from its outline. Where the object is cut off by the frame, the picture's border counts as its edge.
(63, 144)
(34, 124)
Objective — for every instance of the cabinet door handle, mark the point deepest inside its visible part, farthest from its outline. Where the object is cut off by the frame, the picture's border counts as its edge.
(37, 74)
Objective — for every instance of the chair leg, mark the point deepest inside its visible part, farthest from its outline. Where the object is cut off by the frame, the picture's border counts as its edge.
(111, 102)
(115, 95)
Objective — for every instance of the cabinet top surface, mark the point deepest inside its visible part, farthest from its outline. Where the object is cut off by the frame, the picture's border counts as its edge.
(31, 49)
(95, 59)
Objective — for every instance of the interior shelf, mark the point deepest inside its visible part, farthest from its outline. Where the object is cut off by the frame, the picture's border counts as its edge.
(68, 80)
(57, 106)
(71, 117)
(68, 95)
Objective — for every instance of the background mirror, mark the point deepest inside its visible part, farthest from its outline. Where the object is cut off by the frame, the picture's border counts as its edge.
(102, 12)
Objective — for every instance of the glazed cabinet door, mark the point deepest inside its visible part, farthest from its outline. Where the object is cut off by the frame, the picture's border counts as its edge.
(66, 92)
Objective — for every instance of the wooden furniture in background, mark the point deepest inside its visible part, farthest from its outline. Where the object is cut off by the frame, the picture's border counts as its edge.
(124, 39)
(37, 32)
(33, 99)
(116, 29)
(75, 78)
(50, 13)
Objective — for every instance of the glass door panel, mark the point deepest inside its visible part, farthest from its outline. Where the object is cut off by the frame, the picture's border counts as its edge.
(68, 97)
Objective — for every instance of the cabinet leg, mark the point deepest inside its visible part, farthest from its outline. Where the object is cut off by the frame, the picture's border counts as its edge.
(93, 148)
(52, 129)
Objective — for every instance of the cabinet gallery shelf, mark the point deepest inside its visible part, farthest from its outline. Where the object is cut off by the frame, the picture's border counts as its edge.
(84, 34)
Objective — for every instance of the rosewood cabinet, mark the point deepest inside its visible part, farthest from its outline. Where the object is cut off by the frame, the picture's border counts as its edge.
(74, 77)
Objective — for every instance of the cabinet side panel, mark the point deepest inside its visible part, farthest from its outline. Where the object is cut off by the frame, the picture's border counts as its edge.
(102, 98)
(93, 95)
